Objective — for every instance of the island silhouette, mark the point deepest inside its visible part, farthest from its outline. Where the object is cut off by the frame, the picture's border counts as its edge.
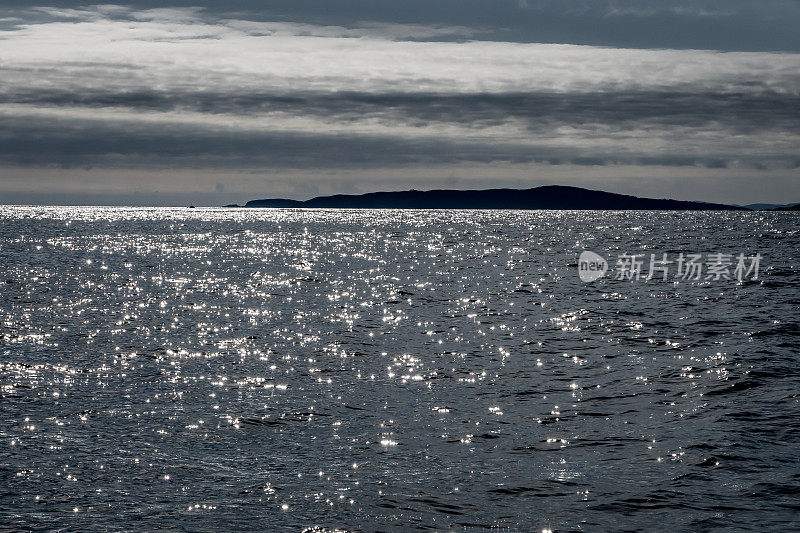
(793, 207)
(559, 197)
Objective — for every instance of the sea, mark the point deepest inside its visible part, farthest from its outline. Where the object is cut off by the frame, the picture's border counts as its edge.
(214, 369)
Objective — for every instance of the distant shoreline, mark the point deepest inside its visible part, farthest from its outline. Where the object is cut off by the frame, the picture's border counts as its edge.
(557, 197)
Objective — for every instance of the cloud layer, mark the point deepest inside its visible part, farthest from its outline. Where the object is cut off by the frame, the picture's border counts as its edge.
(181, 88)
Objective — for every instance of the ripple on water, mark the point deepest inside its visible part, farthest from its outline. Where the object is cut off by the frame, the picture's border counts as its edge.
(327, 369)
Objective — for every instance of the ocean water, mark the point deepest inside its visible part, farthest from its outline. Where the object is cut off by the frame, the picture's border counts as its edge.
(232, 369)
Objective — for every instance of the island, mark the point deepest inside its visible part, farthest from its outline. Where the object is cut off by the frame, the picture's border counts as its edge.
(546, 197)
(794, 207)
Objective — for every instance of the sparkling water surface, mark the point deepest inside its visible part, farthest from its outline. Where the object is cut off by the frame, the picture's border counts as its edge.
(221, 369)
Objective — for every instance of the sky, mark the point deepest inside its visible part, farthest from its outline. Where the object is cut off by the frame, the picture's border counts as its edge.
(209, 103)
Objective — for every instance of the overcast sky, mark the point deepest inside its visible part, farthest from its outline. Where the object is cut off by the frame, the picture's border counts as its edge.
(216, 102)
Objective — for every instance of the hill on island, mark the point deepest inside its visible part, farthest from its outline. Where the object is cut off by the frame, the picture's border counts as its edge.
(546, 197)
(795, 207)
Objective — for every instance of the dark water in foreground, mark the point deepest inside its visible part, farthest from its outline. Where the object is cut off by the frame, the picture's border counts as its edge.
(362, 370)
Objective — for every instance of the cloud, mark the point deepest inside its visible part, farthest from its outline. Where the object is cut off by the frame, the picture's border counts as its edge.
(733, 112)
(325, 133)
(185, 49)
(181, 88)
(767, 25)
